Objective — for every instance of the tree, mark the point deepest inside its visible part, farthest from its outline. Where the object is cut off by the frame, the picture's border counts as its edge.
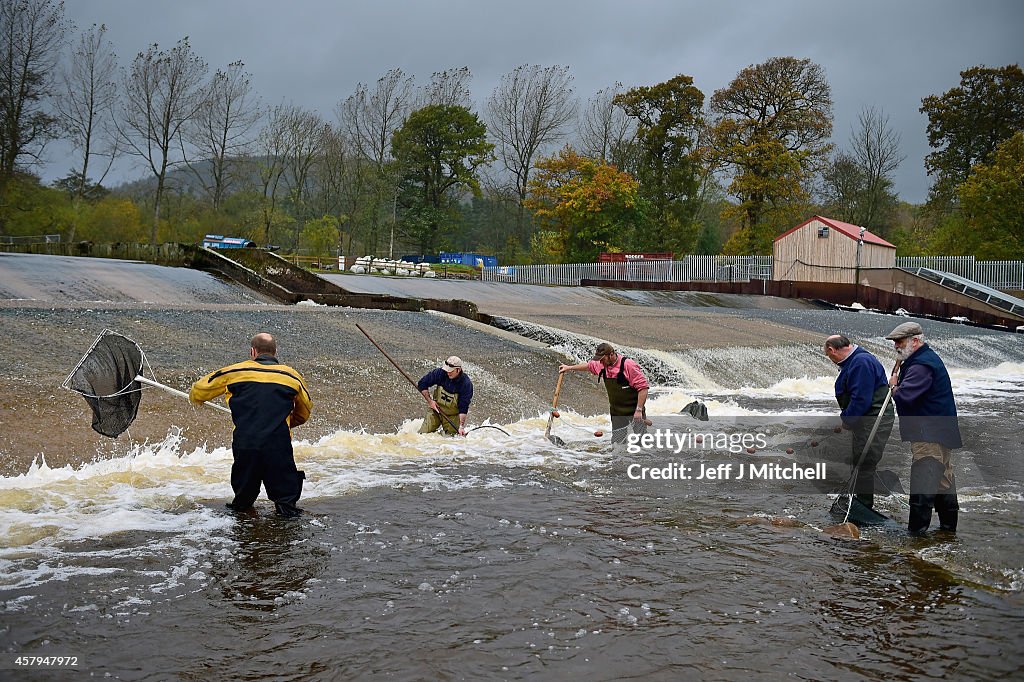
(607, 132)
(859, 184)
(530, 109)
(163, 92)
(86, 109)
(369, 120)
(223, 129)
(270, 149)
(438, 151)
(320, 236)
(449, 88)
(305, 134)
(585, 207)
(967, 123)
(669, 120)
(992, 199)
(770, 129)
(31, 38)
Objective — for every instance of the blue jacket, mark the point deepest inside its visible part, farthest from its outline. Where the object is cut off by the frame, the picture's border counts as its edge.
(924, 401)
(461, 385)
(860, 377)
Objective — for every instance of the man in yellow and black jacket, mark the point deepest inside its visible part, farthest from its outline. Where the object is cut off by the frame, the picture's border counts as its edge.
(266, 399)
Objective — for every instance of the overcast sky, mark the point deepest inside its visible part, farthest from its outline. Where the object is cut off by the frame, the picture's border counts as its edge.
(882, 53)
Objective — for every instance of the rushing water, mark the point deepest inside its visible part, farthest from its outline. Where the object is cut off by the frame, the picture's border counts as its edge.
(504, 557)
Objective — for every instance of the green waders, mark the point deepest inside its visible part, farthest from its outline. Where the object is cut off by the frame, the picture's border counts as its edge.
(448, 403)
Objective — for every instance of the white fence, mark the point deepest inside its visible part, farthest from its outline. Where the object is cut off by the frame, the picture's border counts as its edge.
(690, 269)
(994, 274)
(997, 274)
(31, 239)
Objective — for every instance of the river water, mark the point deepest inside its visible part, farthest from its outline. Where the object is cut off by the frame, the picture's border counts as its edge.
(505, 557)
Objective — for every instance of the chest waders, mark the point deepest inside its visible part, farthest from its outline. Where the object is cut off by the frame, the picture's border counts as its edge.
(865, 484)
(622, 402)
(448, 404)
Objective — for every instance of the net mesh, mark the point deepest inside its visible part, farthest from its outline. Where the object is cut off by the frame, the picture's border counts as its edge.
(105, 377)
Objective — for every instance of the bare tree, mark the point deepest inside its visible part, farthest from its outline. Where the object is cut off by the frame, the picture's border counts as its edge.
(607, 132)
(223, 129)
(528, 111)
(86, 105)
(876, 150)
(269, 154)
(31, 39)
(163, 92)
(304, 137)
(371, 118)
(86, 109)
(448, 89)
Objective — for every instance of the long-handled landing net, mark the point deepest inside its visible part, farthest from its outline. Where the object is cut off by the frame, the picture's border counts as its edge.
(110, 378)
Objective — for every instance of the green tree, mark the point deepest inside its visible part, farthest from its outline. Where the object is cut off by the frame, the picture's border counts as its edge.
(770, 129)
(992, 199)
(584, 206)
(669, 117)
(320, 236)
(438, 151)
(967, 123)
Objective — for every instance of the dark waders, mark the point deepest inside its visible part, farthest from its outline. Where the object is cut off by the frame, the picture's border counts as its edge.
(864, 488)
(622, 401)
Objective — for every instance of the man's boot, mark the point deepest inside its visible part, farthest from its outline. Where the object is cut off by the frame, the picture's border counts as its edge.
(948, 508)
(925, 475)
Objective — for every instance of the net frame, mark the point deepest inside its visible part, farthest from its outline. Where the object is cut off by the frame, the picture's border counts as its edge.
(113, 412)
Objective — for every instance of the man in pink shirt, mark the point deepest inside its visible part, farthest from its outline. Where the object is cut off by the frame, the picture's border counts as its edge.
(626, 385)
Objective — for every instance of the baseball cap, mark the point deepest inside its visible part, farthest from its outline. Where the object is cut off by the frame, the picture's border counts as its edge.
(603, 349)
(904, 330)
(453, 362)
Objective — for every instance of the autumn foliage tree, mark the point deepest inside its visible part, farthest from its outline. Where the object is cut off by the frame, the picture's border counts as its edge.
(584, 207)
(770, 130)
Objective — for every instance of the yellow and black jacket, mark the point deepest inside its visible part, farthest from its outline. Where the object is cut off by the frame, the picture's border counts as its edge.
(266, 399)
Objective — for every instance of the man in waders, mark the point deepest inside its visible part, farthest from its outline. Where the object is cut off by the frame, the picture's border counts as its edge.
(626, 385)
(266, 399)
(861, 390)
(453, 391)
(923, 395)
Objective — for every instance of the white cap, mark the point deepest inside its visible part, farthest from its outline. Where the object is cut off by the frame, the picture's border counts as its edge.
(453, 362)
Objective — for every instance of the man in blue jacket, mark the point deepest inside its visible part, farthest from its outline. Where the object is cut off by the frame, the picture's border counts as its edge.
(453, 391)
(923, 395)
(861, 390)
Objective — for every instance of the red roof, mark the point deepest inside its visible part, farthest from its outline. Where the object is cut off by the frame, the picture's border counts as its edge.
(850, 230)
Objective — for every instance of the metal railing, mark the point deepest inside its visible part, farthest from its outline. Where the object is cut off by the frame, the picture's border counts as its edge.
(699, 268)
(998, 274)
(690, 269)
(31, 239)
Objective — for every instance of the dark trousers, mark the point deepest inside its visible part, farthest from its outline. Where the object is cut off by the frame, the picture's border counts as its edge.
(864, 488)
(274, 467)
(932, 487)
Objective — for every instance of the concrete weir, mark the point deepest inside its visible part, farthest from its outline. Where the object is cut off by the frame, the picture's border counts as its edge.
(261, 271)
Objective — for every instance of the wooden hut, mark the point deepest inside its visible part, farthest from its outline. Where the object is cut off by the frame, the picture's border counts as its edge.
(827, 250)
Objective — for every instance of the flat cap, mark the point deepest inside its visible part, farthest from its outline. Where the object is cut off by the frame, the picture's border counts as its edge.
(904, 330)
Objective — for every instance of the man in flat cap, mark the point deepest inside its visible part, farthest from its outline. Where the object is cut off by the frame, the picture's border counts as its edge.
(453, 391)
(626, 385)
(924, 401)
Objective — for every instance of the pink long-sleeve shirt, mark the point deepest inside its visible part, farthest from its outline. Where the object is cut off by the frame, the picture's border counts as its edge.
(634, 375)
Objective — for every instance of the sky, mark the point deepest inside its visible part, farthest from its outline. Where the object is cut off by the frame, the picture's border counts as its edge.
(886, 54)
